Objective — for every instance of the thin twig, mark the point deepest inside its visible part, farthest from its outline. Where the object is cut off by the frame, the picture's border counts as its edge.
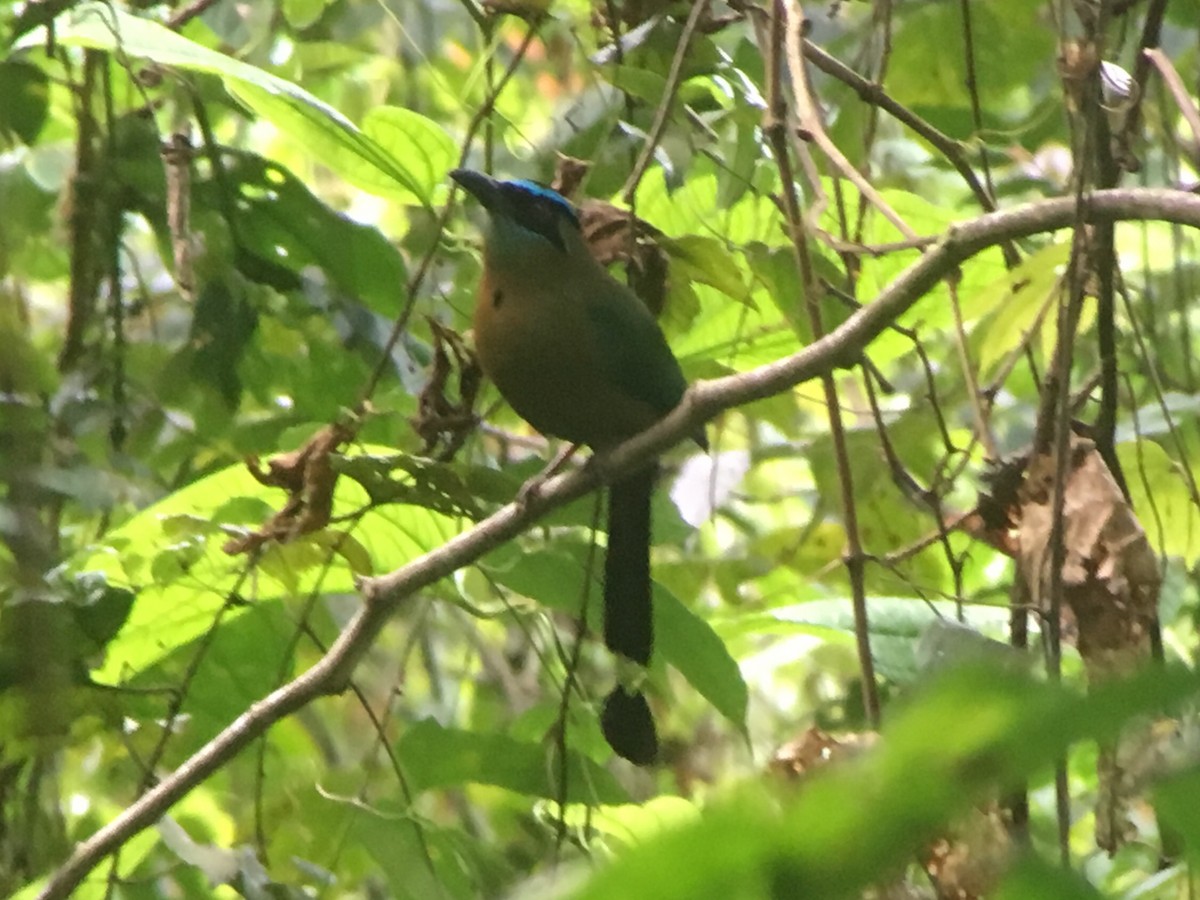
(572, 668)
(973, 92)
(1151, 31)
(810, 122)
(662, 114)
(786, 28)
(874, 94)
(1182, 451)
(414, 284)
(1179, 93)
(182, 16)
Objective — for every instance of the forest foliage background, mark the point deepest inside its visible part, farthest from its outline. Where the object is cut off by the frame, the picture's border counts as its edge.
(268, 625)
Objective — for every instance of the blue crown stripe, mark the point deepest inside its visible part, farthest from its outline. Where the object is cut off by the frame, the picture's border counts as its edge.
(539, 190)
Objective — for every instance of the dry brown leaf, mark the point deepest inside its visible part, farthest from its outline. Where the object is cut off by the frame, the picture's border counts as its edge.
(1110, 585)
(308, 477)
(615, 235)
(443, 421)
(1110, 572)
(967, 862)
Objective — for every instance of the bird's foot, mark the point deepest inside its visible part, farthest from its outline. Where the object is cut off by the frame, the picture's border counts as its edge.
(599, 466)
(531, 488)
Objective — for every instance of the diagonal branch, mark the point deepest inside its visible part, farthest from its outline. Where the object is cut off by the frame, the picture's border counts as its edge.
(385, 594)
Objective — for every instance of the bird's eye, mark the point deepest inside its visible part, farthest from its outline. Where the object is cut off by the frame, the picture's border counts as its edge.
(539, 214)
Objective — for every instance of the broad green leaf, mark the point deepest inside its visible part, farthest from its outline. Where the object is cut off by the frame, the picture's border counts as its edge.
(681, 638)
(22, 369)
(332, 140)
(1013, 304)
(401, 847)
(1175, 800)
(689, 643)
(277, 211)
(1035, 879)
(632, 823)
(312, 124)
(707, 261)
(172, 555)
(26, 92)
(735, 335)
(248, 656)
(133, 854)
(426, 148)
(322, 56)
(965, 736)
(222, 327)
(1012, 44)
(774, 272)
(693, 208)
(382, 838)
(1161, 499)
(896, 625)
(302, 13)
(438, 757)
(641, 83)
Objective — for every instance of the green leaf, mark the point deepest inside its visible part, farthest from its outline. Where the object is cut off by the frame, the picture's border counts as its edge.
(682, 639)
(314, 125)
(1175, 800)
(437, 757)
(427, 150)
(246, 658)
(922, 75)
(708, 261)
(774, 272)
(386, 839)
(641, 83)
(967, 734)
(172, 555)
(632, 823)
(222, 327)
(280, 220)
(26, 92)
(1161, 499)
(1015, 303)
(302, 13)
(134, 853)
(688, 643)
(100, 609)
(896, 626)
(1035, 879)
(23, 370)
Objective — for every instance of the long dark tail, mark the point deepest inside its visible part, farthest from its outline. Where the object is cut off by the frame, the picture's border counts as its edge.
(628, 613)
(628, 621)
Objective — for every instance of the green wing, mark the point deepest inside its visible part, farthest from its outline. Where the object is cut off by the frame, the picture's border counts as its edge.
(634, 353)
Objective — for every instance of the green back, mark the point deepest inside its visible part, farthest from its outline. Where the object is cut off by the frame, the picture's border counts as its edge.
(635, 354)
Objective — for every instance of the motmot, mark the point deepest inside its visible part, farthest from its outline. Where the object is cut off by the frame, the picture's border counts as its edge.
(579, 357)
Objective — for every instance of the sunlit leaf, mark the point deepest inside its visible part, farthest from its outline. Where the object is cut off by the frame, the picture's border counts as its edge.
(314, 125)
(445, 757)
(183, 579)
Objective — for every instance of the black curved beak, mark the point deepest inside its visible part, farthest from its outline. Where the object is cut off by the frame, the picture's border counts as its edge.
(482, 187)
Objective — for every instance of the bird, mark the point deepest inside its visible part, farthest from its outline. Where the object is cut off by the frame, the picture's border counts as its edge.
(579, 357)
